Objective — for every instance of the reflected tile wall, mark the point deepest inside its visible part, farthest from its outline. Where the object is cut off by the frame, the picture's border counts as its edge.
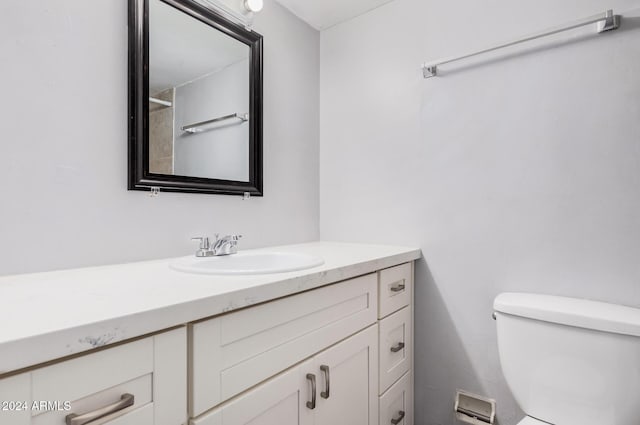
(161, 121)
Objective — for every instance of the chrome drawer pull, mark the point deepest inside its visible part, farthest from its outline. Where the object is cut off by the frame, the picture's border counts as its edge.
(325, 369)
(126, 400)
(396, 421)
(312, 404)
(397, 288)
(397, 347)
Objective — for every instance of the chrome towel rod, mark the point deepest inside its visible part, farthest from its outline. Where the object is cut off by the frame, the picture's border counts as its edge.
(159, 101)
(197, 127)
(606, 21)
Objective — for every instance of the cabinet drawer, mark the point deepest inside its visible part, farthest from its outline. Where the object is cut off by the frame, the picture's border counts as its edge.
(94, 381)
(15, 389)
(396, 405)
(142, 416)
(394, 289)
(395, 347)
(153, 370)
(234, 352)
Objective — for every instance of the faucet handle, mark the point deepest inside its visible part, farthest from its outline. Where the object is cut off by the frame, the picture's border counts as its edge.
(204, 241)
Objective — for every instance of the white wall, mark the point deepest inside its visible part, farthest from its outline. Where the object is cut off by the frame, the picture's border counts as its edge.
(220, 152)
(63, 196)
(520, 173)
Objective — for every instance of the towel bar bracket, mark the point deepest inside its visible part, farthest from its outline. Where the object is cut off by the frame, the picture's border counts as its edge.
(429, 71)
(611, 22)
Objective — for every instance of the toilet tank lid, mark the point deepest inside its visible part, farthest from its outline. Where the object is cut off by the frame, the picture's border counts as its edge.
(571, 311)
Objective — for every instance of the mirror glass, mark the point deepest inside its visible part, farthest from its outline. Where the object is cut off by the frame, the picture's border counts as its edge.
(195, 90)
(198, 98)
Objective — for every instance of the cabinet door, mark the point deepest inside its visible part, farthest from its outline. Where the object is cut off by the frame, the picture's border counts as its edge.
(281, 400)
(348, 381)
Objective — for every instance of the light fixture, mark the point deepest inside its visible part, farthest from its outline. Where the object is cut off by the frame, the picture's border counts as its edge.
(253, 5)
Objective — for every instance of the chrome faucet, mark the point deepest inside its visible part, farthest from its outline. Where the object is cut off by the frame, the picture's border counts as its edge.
(225, 245)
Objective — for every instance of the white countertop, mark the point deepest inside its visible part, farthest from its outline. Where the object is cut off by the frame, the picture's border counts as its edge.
(46, 316)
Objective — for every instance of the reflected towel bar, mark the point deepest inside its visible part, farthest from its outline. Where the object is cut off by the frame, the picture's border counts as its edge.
(606, 21)
(160, 101)
(197, 127)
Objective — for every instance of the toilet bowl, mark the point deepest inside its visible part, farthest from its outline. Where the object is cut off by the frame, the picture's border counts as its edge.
(570, 361)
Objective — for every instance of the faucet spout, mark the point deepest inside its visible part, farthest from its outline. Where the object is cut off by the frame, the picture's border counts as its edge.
(226, 245)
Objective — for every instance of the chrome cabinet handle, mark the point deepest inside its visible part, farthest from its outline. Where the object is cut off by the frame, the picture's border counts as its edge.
(327, 376)
(126, 400)
(397, 288)
(399, 346)
(396, 421)
(312, 404)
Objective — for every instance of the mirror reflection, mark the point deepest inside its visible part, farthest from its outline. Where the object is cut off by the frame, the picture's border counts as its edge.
(199, 98)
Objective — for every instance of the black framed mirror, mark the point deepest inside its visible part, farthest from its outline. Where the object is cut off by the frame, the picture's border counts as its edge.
(195, 100)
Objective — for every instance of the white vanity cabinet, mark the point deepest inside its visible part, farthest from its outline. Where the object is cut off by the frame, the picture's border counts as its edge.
(328, 356)
(143, 382)
(338, 353)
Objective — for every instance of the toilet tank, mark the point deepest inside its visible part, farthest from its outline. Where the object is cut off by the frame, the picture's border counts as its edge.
(570, 361)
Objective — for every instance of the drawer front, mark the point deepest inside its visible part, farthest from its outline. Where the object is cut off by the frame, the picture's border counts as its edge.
(94, 381)
(142, 416)
(394, 290)
(140, 388)
(396, 405)
(234, 352)
(153, 370)
(396, 346)
(130, 416)
(15, 391)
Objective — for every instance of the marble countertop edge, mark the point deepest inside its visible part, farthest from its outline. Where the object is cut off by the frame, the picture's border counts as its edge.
(40, 344)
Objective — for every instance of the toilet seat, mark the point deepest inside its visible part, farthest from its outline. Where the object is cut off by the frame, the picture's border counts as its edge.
(528, 420)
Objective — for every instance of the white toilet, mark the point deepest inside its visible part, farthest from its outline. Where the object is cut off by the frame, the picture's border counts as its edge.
(569, 361)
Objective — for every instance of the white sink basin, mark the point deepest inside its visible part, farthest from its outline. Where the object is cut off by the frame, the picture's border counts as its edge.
(244, 263)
